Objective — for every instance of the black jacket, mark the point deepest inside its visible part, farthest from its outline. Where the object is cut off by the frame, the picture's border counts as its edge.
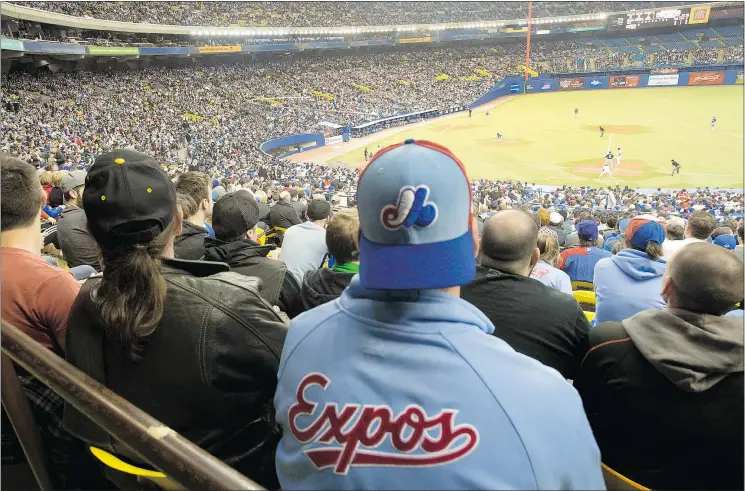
(663, 391)
(190, 244)
(209, 370)
(534, 319)
(248, 258)
(76, 242)
(323, 285)
(283, 215)
(264, 212)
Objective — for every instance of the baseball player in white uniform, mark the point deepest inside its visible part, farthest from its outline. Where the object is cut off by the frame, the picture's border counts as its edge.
(607, 165)
(618, 158)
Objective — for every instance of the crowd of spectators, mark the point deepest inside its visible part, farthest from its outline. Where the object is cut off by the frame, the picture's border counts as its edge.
(300, 299)
(323, 14)
(221, 113)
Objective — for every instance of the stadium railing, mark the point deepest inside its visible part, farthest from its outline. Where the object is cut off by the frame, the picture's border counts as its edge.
(189, 466)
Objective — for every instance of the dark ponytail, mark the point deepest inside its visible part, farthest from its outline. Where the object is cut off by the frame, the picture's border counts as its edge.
(132, 295)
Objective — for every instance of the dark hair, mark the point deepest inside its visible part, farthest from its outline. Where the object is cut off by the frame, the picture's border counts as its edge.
(22, 196)
(701, 224)
(342, 237)
(187, 203)
(721, 231)
(612, 222)
(741, 231)
(196, 185)
(132, 294)
(675, 232)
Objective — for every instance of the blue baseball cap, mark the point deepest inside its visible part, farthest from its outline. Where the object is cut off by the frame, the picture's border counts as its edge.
(414, 202)
(727, 241)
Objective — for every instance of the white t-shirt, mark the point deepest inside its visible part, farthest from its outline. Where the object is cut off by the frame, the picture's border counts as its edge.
(670, 247)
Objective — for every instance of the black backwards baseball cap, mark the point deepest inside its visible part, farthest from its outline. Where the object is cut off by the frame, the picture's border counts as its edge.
(128, 198)
(234, 215)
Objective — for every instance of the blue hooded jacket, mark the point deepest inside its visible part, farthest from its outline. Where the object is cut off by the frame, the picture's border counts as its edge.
(384, 389)
(626, 284)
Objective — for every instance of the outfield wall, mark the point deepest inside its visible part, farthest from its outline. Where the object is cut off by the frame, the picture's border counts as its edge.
(551, 84)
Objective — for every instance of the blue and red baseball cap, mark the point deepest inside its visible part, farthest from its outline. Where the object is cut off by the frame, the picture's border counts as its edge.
(414, 202)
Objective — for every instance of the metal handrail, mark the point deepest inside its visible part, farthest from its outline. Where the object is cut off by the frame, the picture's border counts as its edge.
(178, 458)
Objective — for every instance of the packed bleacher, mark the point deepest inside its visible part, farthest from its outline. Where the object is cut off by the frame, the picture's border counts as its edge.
(220, 114)
(623, 292)
(322, 14)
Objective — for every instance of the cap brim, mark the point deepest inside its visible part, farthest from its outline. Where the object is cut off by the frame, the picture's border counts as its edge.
(417, 267)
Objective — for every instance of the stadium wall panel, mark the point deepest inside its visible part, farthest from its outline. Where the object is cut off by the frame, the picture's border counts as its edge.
(509, 85)
(165, 51)
(300, 140)
(54, 48)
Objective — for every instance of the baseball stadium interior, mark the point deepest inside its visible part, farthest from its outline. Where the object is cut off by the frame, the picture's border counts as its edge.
(514, 230)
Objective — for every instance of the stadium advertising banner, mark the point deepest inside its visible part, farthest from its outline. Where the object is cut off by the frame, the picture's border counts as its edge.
(740, 78)
(626, 81)
(414, 40)
(596, 83)
(112, 51)
(537, 85)
(11, 44)
(661, 80)
(219, 49)
(165, 51)
(706, 78)
(700, 14)
(571, 84)
(332, 140)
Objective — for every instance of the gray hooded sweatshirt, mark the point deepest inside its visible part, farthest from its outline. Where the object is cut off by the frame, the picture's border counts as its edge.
(694, 351)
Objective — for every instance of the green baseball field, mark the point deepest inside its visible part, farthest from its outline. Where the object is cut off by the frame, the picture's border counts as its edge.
(544, 143)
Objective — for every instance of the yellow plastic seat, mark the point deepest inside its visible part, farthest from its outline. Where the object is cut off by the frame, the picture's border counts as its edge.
(616, 481)
(582, 296)
(582, 285)
(118, 464)
(261, 235)
(590, 316)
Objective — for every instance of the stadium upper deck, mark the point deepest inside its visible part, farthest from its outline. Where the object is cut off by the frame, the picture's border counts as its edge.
(323, 14)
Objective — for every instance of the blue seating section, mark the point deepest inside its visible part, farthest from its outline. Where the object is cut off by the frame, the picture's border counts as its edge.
(733, 41)
(710, 44)
(730, 31)
(670, 38)
(681, 46)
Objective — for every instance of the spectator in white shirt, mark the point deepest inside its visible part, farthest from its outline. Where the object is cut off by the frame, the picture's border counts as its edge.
(699, 227)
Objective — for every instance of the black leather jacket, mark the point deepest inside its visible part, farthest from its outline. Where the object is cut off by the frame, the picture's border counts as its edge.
(278, 286)
(209, 371)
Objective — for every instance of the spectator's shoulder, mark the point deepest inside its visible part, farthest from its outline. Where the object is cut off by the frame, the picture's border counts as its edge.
(605, 336)
(304, 325)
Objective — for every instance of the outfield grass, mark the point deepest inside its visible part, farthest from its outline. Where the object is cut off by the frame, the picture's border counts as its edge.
(545, 144)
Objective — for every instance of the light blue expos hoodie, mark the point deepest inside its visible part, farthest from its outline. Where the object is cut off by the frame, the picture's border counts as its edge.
(626, 284)
(409, 390)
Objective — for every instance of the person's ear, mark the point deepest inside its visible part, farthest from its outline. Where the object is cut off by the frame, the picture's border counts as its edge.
(535, 257)
(252, 235)
(205, 205)
(178, 225)
(667, 289)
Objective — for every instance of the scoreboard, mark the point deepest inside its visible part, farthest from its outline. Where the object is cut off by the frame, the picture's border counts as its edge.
(644, 19)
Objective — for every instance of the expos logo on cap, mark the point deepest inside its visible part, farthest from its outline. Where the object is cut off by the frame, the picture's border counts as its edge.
(414, 200)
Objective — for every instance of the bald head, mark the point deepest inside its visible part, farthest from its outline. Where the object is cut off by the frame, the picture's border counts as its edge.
(704, 278)
(284, 196)
(509, 242)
